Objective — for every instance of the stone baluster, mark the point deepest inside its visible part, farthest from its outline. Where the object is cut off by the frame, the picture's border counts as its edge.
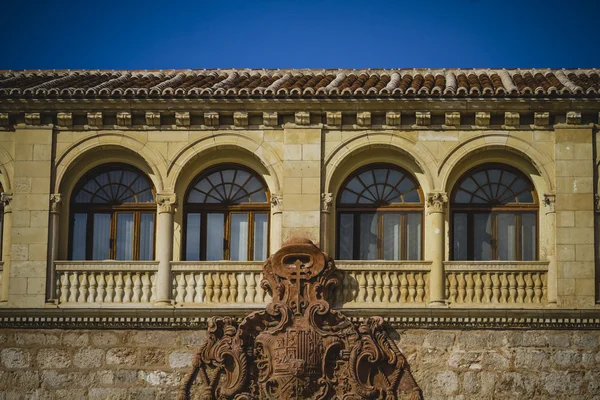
(189, 290)
(470, 288)
(137, 288)
(345, 287)
(362, 287)
(378, 287)
(83, 288)
(101, 295)
(420, 288)
(146, 283)
(251, 285)
(487, 288)
(225, 291)
(520, 288)
(461, 287)
(119, 288)
(453, 288)
(394, 282)
(403, 288)
(370, 287)
(478, 288)
(166, 203)
(64, 289)
(503, 289)
(260, 292)
(128, 288)
(74, 287)
(241, 292)
(200, 292)
(216, 287)
(92, 290)
(180, 292)
(412, 287)
(209, 287)
(110, 287)
(495, 288)
(529, 288)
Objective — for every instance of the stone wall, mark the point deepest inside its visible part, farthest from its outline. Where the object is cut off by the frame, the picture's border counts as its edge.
(150, 364)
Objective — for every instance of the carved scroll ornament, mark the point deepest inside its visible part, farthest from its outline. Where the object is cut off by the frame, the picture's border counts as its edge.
(299, 347)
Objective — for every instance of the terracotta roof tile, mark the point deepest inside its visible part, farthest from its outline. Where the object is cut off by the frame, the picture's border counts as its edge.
(305, 83)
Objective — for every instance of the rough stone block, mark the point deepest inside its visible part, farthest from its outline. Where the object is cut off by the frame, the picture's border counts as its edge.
(88, 358)
(53, 359)
(121, 356)
(181, 359)
(15, 358)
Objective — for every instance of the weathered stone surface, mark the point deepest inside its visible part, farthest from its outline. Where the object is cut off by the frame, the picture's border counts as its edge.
(15, 358)
(88, 358)
(53, 359)
(121, 356)
(181, 359)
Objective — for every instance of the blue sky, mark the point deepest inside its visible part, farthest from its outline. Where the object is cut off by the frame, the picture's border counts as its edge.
(110, 34)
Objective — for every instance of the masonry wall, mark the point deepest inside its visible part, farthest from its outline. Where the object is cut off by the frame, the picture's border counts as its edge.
(151, 364)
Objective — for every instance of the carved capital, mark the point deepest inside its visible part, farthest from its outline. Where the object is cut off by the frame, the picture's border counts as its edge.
(302, 118)
(6, 199)
(152, 118)
(211, 118)
(270, 118)
(363, 118)
(55, 203)
(423, 118)
(512, 119)
(277, 202)
(453, 118)
(240, 119)
(574, 118)
(64, 119)
(166, 202)
(334, 118)
(124, 119)
(436, 202)
(550, 203)
(392, 118)
(183, 118)
(326, 201)
(95, 119)
(482, 118)
(33, 119)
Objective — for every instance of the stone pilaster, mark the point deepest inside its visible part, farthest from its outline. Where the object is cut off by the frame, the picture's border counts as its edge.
(436, 205)
(550, 217)
(6, 199)
(164, 246)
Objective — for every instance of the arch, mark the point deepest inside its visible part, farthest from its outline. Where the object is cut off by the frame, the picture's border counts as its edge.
(6, 170)
(373, 147)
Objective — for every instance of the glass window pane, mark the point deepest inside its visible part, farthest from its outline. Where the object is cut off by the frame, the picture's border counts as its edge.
(413, 233)
(459, 237)
(346, 237)
(79, 236)
(528, 236)
(192, 237)
(238, 249)
(147, 237)
(482, 234)
(124, 241)
(506, 237)
(101, 237)
(215, 228)
(391, 236)
(368, 236)
(261, 230)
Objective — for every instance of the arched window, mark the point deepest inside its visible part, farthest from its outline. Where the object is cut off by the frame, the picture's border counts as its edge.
(380, 214)
(227, 216)
(112, 215)
(494, 215)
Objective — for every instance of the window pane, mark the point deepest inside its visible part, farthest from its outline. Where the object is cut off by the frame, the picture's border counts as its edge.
(391, 236)
(261, 230)
(238, 249)
(506, 237)
(215, 224)
(147, 237)
(413, 233)
(482, 234)
(124, 240)
(368, 236)
(460, 237)
(101, 236)
(192, 238)
(79, 236)
(346, 237)
(528, 236)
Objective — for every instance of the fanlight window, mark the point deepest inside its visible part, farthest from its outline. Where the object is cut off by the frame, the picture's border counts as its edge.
(227, 216)
(494, 215)
(380, 214)
(113, 215)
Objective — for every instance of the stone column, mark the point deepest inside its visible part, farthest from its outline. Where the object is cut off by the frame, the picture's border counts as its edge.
(6, 198)
(55, 205)
(164, 247)
(276, 220)
(549, 202)
(326, 234)
(436, 203)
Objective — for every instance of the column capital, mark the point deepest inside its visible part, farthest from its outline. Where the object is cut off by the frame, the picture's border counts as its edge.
(6, 199)
(276, 202)
(326, 201)
(436, 201)
(166, 202)
(55, 203)
(550, 203)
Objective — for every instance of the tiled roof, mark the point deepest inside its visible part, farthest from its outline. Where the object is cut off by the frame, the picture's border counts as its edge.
(301, 83)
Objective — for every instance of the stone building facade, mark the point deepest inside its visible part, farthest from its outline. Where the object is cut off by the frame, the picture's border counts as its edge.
(461, 206)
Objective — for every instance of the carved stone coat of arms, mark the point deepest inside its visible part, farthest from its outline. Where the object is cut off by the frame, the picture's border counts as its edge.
(299, 347)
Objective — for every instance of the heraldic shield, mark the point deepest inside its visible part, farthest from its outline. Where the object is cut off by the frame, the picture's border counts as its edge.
(299, 347)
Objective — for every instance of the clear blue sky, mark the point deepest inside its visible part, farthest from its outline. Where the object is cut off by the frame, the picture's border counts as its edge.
(110, 34)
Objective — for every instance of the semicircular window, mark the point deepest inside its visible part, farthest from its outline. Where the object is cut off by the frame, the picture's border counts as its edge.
(494, 215)
(230, 202)
(113, 215)
(380, 213)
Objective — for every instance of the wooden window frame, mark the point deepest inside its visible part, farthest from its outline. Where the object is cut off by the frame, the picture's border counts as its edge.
(380, 210)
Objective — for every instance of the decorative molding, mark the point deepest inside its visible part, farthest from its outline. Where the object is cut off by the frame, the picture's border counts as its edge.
(436, 202)
(240, 119)
(183, 118)
(541, 118)
(573, 118)
(326, 201)
(166, 202)
(453, 118)
(95, 119)
(496, 266)
(393, 118)
(4, 119)
(124, 119)
(302, 118)
(277, 202)
(423, 118)
(211, 118)
(64, 119)
(550, 203)
(6, 198)
(512, 119)
(33, 119)
(363, 118)
(55, 203)
(482, 118)
(270, 118)
(152, 118)
(334, 118)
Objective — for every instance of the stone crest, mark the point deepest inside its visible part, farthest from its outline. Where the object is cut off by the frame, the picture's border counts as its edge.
(299, 347)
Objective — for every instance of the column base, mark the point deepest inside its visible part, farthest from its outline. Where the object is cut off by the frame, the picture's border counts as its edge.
(438, 304)
(163, 303)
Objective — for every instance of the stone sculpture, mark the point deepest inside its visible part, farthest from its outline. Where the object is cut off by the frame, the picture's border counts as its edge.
(299, 347)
